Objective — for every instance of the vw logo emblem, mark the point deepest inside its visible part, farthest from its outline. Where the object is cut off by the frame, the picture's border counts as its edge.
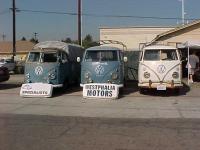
(99, 70)
(161, 69)
(38, 70)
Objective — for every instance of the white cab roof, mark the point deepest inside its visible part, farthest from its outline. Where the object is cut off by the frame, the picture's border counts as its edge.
(159, 47)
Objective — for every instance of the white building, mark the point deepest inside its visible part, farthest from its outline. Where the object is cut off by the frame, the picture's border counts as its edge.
(132, 36)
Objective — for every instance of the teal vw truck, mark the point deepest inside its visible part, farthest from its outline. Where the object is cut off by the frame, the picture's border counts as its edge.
(102, 72)
(54, 63)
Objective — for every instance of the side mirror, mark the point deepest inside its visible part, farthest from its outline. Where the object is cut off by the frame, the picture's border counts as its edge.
(64, 61)
(59, 59)
(125, 59)
(184, 59)
(78, 59)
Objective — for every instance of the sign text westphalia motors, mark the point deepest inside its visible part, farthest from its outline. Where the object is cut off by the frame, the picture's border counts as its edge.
(100, 90)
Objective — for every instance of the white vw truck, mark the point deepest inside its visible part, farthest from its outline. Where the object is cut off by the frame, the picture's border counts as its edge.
(160, 67)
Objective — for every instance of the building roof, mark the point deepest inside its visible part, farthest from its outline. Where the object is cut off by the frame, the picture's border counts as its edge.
(21, 47)
(181, 27)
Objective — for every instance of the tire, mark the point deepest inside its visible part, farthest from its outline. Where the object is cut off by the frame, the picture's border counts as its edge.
(177, 91)
(141, 90)
(65, 85)
(121, 91)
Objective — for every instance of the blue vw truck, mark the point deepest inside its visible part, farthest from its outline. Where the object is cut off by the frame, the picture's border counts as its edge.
(102, 65)
(53, 62)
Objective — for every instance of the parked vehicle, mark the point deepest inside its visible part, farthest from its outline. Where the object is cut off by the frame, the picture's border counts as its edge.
(4, 74)
(19, 67)
(102, 66)
(53, 62)
(8, 63)
(160, 67)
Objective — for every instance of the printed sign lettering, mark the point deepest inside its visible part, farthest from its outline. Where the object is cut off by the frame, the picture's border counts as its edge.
(36, 90)
(100, 90)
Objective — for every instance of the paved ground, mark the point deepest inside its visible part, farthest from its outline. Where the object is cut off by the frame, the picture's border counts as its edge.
(130, 105)
(28, 132)
(155, 121)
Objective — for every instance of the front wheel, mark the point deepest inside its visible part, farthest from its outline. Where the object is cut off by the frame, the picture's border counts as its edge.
(65, 85)
(142, 90)
(177, 91)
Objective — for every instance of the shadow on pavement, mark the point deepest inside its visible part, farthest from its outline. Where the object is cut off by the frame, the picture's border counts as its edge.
(169, 92)
(73, 89)
(129, 88)
(6, 86)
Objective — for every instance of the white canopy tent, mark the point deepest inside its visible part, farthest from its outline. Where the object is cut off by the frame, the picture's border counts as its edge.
(195, 45)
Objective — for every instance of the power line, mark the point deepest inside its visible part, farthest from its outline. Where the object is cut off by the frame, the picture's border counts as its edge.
(104, 16)
(47, 12)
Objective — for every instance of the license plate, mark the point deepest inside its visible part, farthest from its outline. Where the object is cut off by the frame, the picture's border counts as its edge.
(161, 87)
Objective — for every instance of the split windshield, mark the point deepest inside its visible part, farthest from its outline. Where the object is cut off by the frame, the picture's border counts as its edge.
(42, 57)
(157, 55)
(104, 55)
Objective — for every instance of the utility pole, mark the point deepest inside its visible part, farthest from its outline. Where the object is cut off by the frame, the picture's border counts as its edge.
(14, 29)
(183, 11)
(3, 37)
(79, 23)
(35, 35)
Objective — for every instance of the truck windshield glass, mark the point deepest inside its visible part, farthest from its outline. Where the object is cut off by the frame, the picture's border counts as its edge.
(49, 57)
(168, 55)
(164, 55)
(34, 57)
(96, 56)
(45, 57)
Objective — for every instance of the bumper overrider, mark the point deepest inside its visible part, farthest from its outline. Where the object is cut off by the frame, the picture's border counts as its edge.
(57, 85)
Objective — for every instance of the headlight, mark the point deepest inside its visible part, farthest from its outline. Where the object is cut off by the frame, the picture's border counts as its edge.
(87, 75)
(146, 75)
(175, 75)
(114, 76)
(27, 75)
(27, 78)
(90, 80)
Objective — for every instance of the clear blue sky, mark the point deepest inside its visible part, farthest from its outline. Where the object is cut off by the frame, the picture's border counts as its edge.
(60, 26)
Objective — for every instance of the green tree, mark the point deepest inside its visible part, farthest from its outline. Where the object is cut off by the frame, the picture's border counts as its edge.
(88, 41)
(67, 40)
(23, 39)
(33, 40)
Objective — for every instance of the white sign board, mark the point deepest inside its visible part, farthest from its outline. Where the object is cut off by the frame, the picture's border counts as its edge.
(99, 90)
(36, 90)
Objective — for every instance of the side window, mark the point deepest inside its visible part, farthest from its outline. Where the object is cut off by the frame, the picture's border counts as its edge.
(151, 55)
(64, 57)
(121, 56)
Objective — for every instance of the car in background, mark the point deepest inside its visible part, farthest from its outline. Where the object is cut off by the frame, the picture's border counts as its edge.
(8, 63)
(4, 74)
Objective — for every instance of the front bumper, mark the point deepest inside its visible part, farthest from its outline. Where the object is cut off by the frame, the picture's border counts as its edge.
(153, 85)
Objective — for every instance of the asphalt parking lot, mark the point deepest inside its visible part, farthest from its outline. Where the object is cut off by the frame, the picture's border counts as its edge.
(156, 120)
(12, 86)
(131, 104)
